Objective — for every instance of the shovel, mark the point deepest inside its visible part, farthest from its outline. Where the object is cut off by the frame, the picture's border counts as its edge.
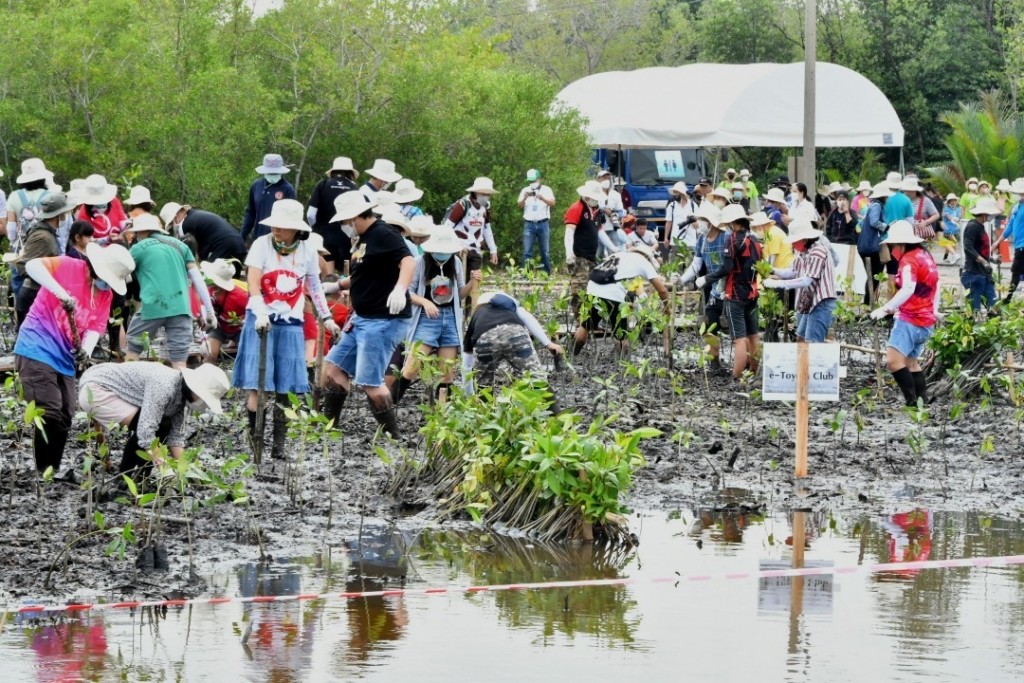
(261, 400)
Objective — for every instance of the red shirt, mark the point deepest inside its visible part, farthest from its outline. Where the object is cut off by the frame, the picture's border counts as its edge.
(107, 224)
(920, 308)
(230, 307)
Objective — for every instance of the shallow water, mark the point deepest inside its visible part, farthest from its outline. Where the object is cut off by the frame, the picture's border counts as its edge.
(932, 625)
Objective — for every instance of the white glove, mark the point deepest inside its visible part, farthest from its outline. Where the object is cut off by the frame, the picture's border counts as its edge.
(701, 281)
(772, 283)
(397, 300)
(262, 322)
(570, 261)
(333, 328)
(210, 318)
(879, 313)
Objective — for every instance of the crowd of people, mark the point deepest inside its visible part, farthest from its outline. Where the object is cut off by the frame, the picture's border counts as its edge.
(354, 290)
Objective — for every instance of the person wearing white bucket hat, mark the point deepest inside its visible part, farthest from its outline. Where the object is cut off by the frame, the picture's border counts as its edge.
(612, 213)
(915, 307)
(47, 351)
(583, 235)
(753, 194)
(151, 401)
(470, 218)
(340, 178)
(536, 200)
(382, 270)
(381, 176)
(813, 273)
(969, 197)
(406, 195)
(265, 191)
(709, 258)
(139, 201)
(283, 269)
(976, 275)
(680, 217)
(860, 202)
(101, 207)
(952, 214)
(23, 205)
(438, 287)
(165, 268)
(230, 300)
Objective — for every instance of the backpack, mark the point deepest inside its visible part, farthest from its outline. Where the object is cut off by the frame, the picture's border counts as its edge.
(448, 212)
(29, 211)
(605, 271)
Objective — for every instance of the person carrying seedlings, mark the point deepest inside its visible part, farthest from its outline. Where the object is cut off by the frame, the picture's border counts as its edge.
(438, 287)
(813, 274)
(150, 399)
(709, 257)
(470, 218)
(263, 194)
(976, 276)
(499, 331)
(607, 285)
(215, 237)
(952, 213)
(915, 307)
(582, 236)
(49, 347)
(282, 268)
(1014, 234)
(164, 269)
(740, 255)
(341, 178)
(40, 241)
(229, 300)
(382, 270)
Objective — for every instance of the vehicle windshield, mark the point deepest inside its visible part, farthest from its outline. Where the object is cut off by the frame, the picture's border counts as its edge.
(663, 166)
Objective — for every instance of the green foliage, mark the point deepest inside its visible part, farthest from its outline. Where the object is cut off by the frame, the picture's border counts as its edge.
(961, 336)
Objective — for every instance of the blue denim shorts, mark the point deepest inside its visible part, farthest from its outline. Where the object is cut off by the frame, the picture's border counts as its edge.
(813, 325)
(439, 332)
(365, 349)
(909, 339)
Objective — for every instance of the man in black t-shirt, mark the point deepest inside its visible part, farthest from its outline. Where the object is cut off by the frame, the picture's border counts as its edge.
(215, 236)
(340, 179)
(382, 269)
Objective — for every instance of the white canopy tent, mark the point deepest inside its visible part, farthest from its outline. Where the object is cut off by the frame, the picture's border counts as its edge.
(731, 105)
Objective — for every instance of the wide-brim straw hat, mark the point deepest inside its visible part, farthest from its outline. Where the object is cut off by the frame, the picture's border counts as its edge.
(273, 164)
(209, 383)
(342, 164)
(139, 195)
(287, 215)
(970, 180)
(834, 187)
(96, 190)
(590, 190)
(679, 188)
(864, 186)
(348, 205)
(986, 207)
(901, 232)
(168, 211)
(54, 204)
(406, 191)
(221, 272)
(482, 185)
(952, 197)
(147, 222)
(392, 216)
(730, 171)
(422, 226)
(745, 173)
(739, 186)
(1004, 186)
(733, 212)
(384, 169)
(893, 180)
(802, 230)
(759, 218)
(316, 240)
(910, 184)
(880, 191)
(113, 264)
(710, 213)
(647, 252)
(33, 169)
(984, 182)
(443, 241)
(722, 193)
(775, 195)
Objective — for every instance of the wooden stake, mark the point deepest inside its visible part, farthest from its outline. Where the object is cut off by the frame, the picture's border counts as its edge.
(796, 594)
(321, 341)
(803, 371)
(875, 343)
(851, 261)
(1013, 378)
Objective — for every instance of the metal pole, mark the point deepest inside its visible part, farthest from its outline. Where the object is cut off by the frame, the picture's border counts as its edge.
(809, 175)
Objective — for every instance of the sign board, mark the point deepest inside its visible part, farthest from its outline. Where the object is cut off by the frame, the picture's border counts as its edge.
(779, 372)
(774, 594)
(670, 164)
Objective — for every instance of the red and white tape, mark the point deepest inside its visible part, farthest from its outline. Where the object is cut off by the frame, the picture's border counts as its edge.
(975, 562)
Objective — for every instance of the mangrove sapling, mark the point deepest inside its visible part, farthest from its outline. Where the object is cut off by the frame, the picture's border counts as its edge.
(915, 436)
(120, 538)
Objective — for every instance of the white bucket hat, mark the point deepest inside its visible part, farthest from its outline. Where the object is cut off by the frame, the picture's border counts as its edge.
(759, 218)
(834, 186)
(730, 171)
(385, 200)
(273, 164)
(384, 170)
(910, 184)
(901, 232)
(168, 211)
(287, 214)
(880, 191)
(744, 173)
(75, 192)
(422, 226)
(348, 205)
(482, 185)
(96, 190)
(984, 182)
(722, 193)
(316, 240)
(710, 213)
(647, 252)
(393, 216)
(33, 169)
(590, 190)
(113, 264)
(739, 186)
(406, 192)
(209, 383)
(775, 195)
(147, 222)
(443, 241)
(1004, 186)
(221, 272)
(986, 207)
(733, 212)
(893, 180)
(680, 188)
(342, 164)
(802, 230)
(952, 195)
(864, 186)
(1017, 186)
(139, 195)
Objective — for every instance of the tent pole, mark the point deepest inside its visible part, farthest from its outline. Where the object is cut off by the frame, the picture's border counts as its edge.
(902, 170)
(810, 172)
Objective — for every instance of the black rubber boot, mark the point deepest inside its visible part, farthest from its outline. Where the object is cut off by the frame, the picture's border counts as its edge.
(387, 416)
(280, 429)
(399, 388)
(905, 379)
(250, 432)
(920, 386)
(333, 401)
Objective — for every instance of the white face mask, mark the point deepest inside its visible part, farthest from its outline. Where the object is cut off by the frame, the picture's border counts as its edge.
(483, 200)
(349, 230)
(536, 185)
(592, 203)
(606, 184)
(972, 187)
(720, 203)
(272, 178)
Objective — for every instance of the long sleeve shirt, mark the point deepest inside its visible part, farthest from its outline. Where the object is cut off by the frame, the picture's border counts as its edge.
(976, 244)
(155, 388)
(262, 196)
(1014, 232)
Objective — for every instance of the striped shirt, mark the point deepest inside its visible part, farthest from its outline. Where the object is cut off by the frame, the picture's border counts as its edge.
(816, 263)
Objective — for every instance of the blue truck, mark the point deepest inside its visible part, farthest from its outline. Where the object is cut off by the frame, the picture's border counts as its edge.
(647, 174)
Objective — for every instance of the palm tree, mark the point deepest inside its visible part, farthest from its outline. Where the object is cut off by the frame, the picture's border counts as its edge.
(987, 142)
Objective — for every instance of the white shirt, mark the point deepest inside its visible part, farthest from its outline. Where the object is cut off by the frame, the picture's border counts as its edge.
(613, 201)
(533, 208)
(284, 277)
(675, 215)
(649, 239)
(804, 211)
(631, 265)
(368, 191)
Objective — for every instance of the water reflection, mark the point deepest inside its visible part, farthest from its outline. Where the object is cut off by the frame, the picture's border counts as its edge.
(69, 650)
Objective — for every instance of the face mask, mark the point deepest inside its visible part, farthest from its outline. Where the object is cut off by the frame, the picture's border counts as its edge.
(272, 178)
(972, 187)
(101, 208)
(483, 200)
(592, 203)
(800, 246)
(606, 184)
(198, 406)
(720, 203)
(536, 185)
(441, 258)
(737, 195)
(897, 253)
(349, 230)
(101, 285)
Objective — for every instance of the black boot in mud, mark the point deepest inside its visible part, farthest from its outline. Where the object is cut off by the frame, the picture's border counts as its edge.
(399, 388)
(250, 432)
(905, 379)
(920, 386)
(280, 428)
(386, 415)
(333, 401)
(715, 368)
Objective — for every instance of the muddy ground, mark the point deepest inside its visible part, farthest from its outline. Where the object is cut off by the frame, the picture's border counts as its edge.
(724, 439)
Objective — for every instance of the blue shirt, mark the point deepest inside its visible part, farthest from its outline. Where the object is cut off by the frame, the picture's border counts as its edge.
(898, 207)
(1014, 232)
(712, 252)
(261, 198)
